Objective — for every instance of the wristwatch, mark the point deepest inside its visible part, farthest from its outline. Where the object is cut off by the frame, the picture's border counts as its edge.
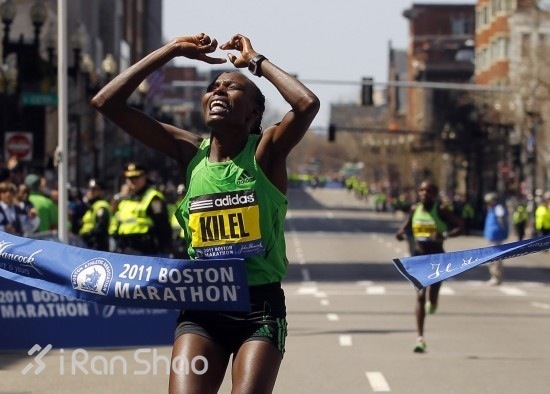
(254, 65)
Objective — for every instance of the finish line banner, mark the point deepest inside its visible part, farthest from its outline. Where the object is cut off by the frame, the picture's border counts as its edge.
(125, 280)
(423, 271)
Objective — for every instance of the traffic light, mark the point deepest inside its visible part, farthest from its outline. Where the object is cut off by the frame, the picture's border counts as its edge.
(331, 133)
(366, 92)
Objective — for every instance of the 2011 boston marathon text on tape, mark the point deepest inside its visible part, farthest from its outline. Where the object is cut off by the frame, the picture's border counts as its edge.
(125, 280)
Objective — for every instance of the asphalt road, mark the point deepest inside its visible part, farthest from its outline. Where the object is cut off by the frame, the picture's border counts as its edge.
(351, 320)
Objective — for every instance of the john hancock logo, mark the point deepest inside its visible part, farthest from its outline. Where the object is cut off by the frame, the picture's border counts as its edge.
(94, 276)
(24, 262)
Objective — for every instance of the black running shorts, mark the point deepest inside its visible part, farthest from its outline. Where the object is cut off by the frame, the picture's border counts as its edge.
(266, 321)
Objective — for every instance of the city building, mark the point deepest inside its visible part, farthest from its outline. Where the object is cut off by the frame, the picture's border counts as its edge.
(104, 37)
(512, 51)
(440, 56)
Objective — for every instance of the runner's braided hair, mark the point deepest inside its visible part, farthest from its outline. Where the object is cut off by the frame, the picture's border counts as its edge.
(259, 99)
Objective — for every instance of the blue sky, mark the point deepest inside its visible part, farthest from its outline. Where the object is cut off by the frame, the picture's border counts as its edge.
(317, 40)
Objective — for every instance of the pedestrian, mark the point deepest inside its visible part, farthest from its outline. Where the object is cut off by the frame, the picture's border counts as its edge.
(237, 160)
(520, 217)
(13, 218)
(468, 214)
(47, 209)
(77, 209)
(22, 198)
(142, 222)
(542, 215)
(430, 223)
(94, 227)
(495, 232)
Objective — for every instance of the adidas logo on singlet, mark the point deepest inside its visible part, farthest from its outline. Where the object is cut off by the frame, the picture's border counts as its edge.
(244, 178)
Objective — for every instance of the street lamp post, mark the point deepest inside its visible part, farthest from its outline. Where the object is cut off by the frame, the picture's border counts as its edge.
(78, 42)
(90, 88)
(109, 67)
(8, 86)
(30, 116)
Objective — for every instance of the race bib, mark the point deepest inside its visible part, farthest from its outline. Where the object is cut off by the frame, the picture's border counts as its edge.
(424, 231)
(225, 225)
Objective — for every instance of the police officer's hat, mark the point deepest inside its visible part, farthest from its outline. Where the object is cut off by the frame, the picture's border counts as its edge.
(134, 170)
(490, 197)
(95, 184)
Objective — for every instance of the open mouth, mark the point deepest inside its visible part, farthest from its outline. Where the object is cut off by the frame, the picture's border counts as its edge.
(217, 106)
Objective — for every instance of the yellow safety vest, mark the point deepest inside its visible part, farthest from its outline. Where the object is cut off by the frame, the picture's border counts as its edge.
(132, 215)
(88, 220)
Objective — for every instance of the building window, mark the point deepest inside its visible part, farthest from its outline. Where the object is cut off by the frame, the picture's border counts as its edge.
(497, 7)
(543, 40)
(525, 44)
(499, 49)
(509, 6)
(462, 25)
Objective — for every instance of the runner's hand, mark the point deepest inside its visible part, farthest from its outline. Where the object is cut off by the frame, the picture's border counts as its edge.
(242, 44)
(198, 47)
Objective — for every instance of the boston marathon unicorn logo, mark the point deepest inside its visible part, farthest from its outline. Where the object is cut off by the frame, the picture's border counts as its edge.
(91, 281)
(94, 276)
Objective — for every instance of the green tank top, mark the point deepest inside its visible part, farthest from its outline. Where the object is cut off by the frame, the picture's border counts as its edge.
(426, 225)
(232, 210)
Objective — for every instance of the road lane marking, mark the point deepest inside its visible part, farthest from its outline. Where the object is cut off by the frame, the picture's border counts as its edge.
(512, 291)
(377, 381)
(540, 305)
(332, 317)
(445, 290)
(374, 290)
(325, 302)
(307, 290)
(345, 340)
(320, 294)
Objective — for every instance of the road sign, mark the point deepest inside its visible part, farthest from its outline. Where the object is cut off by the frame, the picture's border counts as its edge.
(39, 99)
(18, 144)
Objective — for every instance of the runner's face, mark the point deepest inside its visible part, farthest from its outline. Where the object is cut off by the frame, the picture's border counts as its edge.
(228, 99)
(427, 192)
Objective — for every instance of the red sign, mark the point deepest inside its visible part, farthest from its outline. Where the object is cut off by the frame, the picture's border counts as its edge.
(19, 145)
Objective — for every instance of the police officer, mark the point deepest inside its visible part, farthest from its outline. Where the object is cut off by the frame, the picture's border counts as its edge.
(94, 229)
(520, 218)
(143, 224)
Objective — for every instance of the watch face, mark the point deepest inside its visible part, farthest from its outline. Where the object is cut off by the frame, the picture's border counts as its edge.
(544, 5)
